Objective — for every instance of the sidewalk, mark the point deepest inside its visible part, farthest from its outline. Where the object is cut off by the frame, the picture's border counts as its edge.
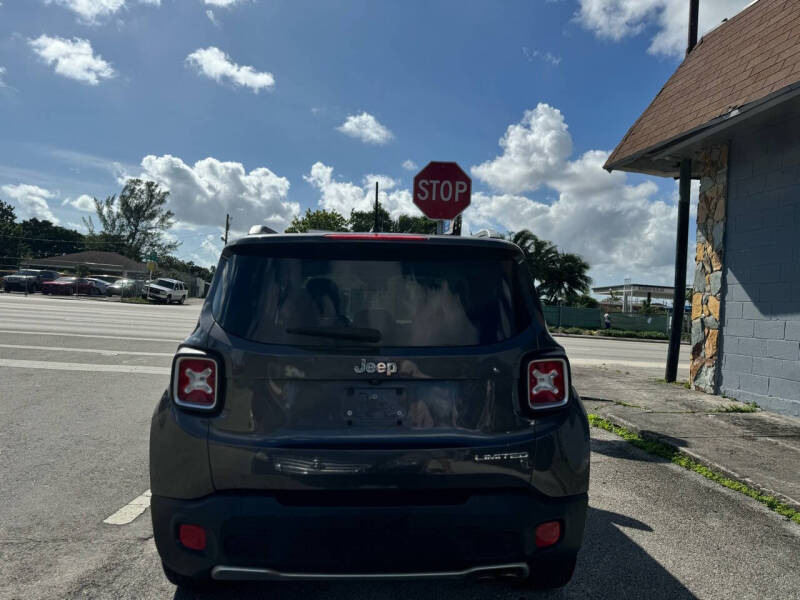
(759, 449)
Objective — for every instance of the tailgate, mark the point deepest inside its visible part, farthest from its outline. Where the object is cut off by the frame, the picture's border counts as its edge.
(326, 421)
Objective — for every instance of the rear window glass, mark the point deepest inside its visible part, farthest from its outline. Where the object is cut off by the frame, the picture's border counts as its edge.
(375, 300)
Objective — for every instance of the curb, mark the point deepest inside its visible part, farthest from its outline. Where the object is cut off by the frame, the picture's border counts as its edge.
(609, 337)
(667, 441)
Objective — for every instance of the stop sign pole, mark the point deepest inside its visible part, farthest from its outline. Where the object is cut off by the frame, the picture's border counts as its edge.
(442, 190)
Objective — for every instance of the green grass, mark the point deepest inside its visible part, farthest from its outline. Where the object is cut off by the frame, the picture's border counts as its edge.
(621, 403)
(738, 407)
(135, 300)
(684, 384)
(676, 456)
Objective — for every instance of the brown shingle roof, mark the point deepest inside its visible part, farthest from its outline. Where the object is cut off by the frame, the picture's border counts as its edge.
(752, 55)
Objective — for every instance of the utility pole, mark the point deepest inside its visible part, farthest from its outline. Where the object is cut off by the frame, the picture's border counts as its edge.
(376, 226)
(456, 228)
(684, 187)
(227, 229)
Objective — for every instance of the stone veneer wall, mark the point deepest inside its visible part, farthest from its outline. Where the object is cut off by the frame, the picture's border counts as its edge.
(706, 299)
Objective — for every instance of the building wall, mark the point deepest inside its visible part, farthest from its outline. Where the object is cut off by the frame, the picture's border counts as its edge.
(760, 342)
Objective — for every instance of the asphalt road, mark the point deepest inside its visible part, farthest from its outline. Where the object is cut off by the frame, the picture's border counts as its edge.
(641, 357)
(79, 380)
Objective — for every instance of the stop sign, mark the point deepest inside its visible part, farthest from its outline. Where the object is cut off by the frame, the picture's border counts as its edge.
(442, 190)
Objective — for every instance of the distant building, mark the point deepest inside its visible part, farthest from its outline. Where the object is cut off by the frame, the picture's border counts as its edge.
(630, 296)
(98, 263)
(730, 117)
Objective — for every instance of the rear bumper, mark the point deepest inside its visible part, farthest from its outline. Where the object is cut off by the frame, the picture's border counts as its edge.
(320, 535)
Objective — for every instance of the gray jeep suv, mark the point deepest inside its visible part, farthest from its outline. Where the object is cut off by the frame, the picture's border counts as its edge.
(369, 406)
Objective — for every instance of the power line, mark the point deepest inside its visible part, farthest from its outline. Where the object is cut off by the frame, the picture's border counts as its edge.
(73, 242)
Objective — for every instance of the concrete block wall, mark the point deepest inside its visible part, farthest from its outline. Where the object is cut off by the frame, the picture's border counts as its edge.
(761, 310)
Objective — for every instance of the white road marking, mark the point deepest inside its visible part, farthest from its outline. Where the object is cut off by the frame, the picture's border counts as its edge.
(130, 511)
(89, 335)
(90, 350)
(599, 362)
(63, 366)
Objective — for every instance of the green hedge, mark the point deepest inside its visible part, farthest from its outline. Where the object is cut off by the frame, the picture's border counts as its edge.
(645, 335)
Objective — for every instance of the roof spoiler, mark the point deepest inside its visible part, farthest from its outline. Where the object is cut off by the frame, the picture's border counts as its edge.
(260, 230)
(489, 233)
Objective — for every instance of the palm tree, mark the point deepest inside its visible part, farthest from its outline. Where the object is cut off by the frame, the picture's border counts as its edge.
(541, 255)
(568, 281)
(559, 277)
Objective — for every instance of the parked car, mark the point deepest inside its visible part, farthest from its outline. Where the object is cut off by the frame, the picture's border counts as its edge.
(70, 285)
(369, 406)
(165, 290)
(28, 279)
(126, 287)
(101, 285)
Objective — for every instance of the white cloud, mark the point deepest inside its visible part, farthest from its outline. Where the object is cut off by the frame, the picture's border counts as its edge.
(547, 57)
(30, 201)
(215, 64)
(366, 128)
(222, 3)
(203, 193)
(410, 165)
(532, 150)
(82, 202)
(76, 226)
(384, 181)
(209, 251)
(74, 58)
(211, 17)
(667, 19)
(2, 72)
(620, 229)
(92, 11)
(344, 196)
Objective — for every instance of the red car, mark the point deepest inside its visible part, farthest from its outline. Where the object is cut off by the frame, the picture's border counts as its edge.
(69, 286)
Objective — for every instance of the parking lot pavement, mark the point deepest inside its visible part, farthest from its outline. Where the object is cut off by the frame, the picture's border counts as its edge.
(74, 420)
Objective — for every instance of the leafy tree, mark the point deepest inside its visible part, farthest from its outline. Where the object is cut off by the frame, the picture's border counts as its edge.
(568, 280)
(7, 214)
(41, 238)
(409, 224)
(587, 301)
(104, 242)
(9, 240)
(560, 277)
(365, 220)
(168, 264)
(325, 220)
(138, 218)
(540, 255)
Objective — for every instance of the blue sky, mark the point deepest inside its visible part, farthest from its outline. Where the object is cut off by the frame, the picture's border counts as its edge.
(264, 108)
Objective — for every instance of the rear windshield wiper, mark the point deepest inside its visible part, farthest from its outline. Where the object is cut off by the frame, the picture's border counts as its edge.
(361, 334)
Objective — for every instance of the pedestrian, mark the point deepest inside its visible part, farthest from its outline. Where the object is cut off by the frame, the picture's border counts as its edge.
(607, 321)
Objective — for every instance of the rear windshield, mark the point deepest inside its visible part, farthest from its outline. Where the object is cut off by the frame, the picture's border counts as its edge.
(371, 296)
